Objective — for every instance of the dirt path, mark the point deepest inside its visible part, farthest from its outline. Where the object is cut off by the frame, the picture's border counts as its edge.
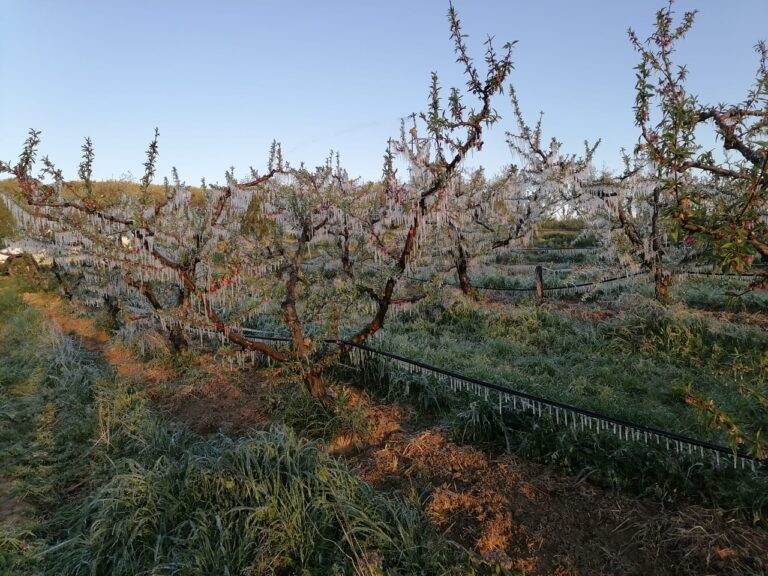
(222, 398)
(93, 339)
(506, 509)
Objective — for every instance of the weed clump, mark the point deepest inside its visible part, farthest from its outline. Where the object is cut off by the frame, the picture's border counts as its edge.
(264, 504)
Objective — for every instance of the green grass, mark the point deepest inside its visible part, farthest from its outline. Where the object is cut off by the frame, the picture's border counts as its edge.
(268, 503)
(7, 224)
(644, 469)
(603, 459)
(642, 365)
(719, 294)
(545, 258)
(294, 407)
(20, 379)
(638, 366)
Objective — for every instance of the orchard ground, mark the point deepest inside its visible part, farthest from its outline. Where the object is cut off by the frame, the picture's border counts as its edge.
(511, 499)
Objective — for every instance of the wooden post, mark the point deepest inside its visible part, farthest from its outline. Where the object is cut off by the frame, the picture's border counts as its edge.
(539, 278)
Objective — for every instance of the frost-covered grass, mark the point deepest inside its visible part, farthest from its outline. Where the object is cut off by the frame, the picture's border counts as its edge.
(721, 294)
(640, 365)
(111, 488)
(621, 354)
(643, 364)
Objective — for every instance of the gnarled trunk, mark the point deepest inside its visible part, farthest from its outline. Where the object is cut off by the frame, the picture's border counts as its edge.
(538, 276)
(314, 383)
(461, 261)
(113, 309)
(65, 287)
(346, 258)
(346, 264)
(662, 280)
(464, 282)
(177, 339)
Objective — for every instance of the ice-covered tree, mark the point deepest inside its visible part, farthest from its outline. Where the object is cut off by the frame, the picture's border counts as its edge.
(324, 253)
(150, 257)
(720, 197)
(628, 214)
(488, 215)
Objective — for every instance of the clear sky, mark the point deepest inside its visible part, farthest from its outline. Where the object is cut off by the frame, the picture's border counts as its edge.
(222, 79)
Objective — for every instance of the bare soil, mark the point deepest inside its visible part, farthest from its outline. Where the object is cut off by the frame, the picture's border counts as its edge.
(222, 399)
(528, 519)
(217, 401)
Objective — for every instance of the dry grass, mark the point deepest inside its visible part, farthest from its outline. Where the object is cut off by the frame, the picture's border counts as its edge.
(53, 308)
(217, 400)
(212, 398)
(383, 420)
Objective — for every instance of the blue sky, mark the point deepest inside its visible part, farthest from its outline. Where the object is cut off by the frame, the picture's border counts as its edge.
(222, 79)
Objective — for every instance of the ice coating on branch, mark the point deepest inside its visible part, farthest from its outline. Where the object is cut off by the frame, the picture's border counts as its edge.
(321, 253)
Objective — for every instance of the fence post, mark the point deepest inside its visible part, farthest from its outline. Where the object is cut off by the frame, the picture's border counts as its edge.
(538, 275)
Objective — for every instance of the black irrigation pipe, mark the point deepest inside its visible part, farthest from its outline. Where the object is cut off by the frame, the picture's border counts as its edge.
(546, 288)
(720, 274)
(454, 285)
(587, 284)
(557, 250)
(550, 404)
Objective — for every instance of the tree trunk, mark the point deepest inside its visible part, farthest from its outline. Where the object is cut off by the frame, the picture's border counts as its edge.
(176, 333)
(464, 282)
(316, 387)
(62, 281)
(538, 276)
(177, 339)
(462, 266)
(300, 344)
(346, 264)
(662, 280)
(346, 260)
(113, 308)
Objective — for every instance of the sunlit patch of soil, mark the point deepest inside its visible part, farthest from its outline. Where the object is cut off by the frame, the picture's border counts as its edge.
(52, 308)
(128, 366)
(759, 319)
(382, 420)
(595, 312)
(122, 359)
(220, 398)
(216, 400)
(518, 514)
(590, 312)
